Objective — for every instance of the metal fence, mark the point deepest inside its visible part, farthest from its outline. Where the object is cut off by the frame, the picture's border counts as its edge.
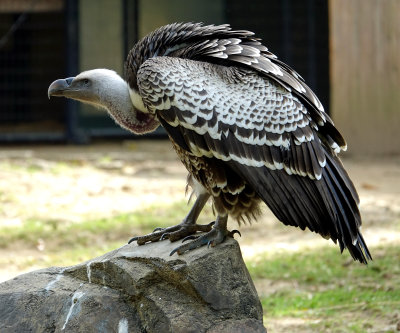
(39, 42)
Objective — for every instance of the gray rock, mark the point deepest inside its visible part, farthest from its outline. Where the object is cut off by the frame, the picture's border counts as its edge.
(137, 289)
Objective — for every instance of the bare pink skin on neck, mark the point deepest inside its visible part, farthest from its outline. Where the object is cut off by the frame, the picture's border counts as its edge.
(142, 123)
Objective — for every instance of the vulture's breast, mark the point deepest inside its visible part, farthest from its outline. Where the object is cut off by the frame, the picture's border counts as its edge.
(231, 194)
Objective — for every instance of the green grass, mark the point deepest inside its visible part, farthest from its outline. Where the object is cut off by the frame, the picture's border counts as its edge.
(61, 256)
(320, 284)
(67, 233)
(68, 243)
(322, 266)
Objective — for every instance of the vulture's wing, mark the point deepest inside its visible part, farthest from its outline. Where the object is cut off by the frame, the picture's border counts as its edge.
(222, 45)
(265, 134)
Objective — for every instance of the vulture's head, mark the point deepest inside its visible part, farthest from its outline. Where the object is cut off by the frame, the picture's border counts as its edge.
(104, 88)
(96, 86)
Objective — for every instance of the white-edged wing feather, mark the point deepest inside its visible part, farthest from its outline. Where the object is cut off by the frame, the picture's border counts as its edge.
(243, 116)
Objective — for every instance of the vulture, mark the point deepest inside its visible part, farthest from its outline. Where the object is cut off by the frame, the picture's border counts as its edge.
(245, 125)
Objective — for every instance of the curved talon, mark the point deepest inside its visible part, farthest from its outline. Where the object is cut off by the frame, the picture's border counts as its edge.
(164, 236)
(158, 229)
(208, 244)
(174, 250)
(133, 239)
(189, 238)
(233, 232)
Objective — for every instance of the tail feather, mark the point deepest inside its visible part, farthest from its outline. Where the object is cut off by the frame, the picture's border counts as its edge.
(328, 206)
(347, 201)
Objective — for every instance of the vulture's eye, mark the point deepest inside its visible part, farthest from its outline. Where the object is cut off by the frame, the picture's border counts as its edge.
(85, 82)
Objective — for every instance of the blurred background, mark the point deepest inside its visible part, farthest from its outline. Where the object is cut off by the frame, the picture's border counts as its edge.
(74, 185)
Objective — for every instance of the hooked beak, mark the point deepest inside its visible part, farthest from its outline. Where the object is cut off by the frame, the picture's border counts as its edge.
(59, 87)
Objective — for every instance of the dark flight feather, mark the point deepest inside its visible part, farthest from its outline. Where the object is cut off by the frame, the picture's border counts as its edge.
(302, 202)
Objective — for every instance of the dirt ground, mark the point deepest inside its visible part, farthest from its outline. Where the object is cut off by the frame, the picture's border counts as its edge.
(112, 178)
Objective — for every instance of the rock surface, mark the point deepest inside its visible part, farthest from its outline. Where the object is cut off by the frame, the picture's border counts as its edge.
(137, 289)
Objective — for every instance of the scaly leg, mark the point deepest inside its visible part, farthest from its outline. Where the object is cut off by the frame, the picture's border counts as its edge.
(187, 227)
(214, 237)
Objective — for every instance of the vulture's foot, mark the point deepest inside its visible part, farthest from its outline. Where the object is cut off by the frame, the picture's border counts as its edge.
(174, 233)
(186, 228)
(212, 238)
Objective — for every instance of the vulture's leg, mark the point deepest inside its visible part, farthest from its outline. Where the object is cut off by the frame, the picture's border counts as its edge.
(187, 227)
(214, 237)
